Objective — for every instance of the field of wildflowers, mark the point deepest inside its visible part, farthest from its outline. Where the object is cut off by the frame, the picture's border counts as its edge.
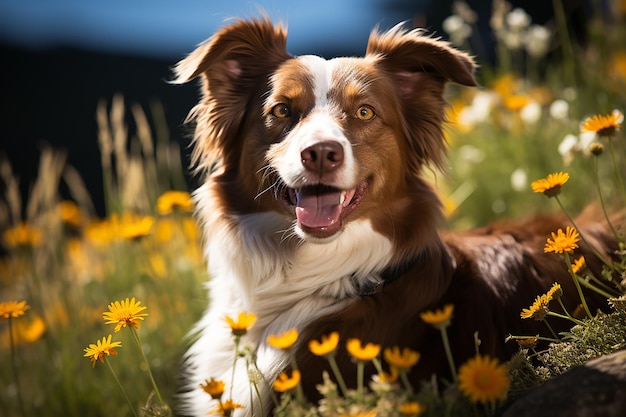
(94, 311)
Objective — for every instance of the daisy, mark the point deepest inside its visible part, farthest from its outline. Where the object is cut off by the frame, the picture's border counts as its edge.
(483, 380)
(603, 125)
(551, 185)
(102, 347)
(13, 309)
(438, 318)
(560, 242)
(578, 265)
(362, 353)
(284, 340)
(214, 388)
(538, 310)
(326, 346)
(226, 408)
(401, 360)
(555, 292)
(125, 313)
(286, 383)
(171, 201)
(244, 322)
(412, 408)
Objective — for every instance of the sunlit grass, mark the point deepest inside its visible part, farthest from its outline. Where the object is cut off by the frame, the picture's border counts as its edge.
(70, 265)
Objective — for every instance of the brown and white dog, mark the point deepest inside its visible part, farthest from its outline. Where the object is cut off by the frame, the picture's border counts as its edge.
(316, 215)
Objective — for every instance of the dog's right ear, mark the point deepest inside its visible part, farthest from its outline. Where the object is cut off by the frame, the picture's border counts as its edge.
(232, 64)
(241, 50)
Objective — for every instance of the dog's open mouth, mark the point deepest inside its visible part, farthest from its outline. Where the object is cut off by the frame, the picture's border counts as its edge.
(320, 209)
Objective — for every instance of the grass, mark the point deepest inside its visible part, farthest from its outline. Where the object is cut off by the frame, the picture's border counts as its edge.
(69, 266)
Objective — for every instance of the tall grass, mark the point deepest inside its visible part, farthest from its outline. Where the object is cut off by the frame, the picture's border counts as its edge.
(69, 266)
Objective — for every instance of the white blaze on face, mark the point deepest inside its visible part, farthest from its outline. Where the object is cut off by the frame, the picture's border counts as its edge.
(320, 125)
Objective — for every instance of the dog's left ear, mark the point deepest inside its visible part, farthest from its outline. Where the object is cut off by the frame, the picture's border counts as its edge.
(414, 53)
(419, 67)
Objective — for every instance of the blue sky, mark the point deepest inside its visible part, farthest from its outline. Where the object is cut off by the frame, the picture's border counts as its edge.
(169, 28)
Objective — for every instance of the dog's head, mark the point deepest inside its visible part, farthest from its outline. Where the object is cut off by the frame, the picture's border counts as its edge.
(321, 141)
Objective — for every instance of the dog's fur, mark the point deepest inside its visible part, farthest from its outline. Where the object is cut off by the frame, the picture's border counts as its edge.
(270, 130)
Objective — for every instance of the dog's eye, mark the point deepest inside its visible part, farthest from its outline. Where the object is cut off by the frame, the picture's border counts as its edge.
(365, 113)
(281, 111)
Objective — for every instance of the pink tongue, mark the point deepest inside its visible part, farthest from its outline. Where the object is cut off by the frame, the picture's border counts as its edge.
(318, 207)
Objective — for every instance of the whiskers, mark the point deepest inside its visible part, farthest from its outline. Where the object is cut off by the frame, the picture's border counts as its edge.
(276, 185)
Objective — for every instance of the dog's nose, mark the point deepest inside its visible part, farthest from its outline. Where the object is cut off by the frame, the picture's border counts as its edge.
(323, 157)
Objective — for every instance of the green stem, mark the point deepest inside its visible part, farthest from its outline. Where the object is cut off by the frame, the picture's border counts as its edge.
(601, 197)
(582, 237)
(551, 330)
(405, 381)
(251, 364)
(566, 43)
(258, 395)
(446, 347)
(577, 284)
(596, 289)
(130, 404)
(333, 365)
(232, 375)
(294, 367)
(145, 360)
(617, 170)
(546, 339)
(567, 317)
(20, 400)
(602, 286)
(360, 368)
(564, 309)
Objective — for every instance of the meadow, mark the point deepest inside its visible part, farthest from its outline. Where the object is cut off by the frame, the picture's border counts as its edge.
(548, 105)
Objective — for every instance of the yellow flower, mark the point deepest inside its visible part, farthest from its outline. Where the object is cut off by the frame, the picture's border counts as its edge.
(226, 408)
(285, 383)
(362, 353)
(603, 125)
(135, 227)
(528, 343)
(103, 347)
(244, 322)
(562, 242)
(22, 235)
(538, 310)
(401, 360)
(284, 340)
(70, 213)
(327, 345)
(125, 313)
(483, 380)
(578, 265)
(11, 309)
(101, 233)
(388, 378)
(516, 102)
(30, 330)
(214, 388)
(551, 185)
(555, 292)
(438, 318)
(174, 200)
(412, 408)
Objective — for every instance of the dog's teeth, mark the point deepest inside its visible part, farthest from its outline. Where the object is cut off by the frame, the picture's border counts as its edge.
(342, 197)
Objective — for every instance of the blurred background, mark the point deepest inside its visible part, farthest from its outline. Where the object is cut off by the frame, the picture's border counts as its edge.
(60, 58)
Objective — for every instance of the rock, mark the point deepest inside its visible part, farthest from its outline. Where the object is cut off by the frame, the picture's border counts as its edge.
(595, 389)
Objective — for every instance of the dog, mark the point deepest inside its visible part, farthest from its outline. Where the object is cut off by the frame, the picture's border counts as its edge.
(317, 216)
